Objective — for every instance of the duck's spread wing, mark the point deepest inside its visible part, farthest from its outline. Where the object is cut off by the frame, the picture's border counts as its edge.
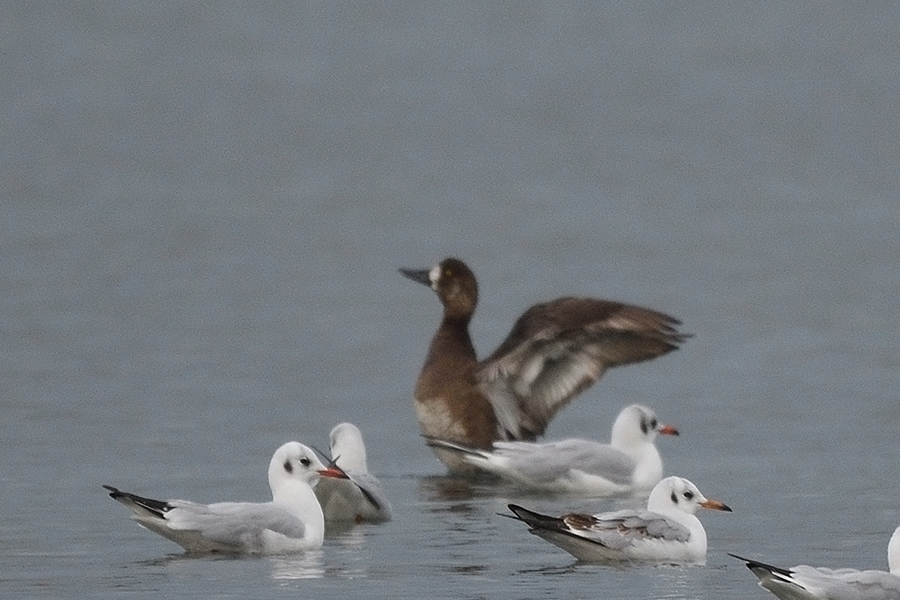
(557, 349)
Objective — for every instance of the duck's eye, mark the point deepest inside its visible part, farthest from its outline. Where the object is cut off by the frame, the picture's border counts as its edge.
(305, 461)
(688, 495)
(448, 273)
(288, 466)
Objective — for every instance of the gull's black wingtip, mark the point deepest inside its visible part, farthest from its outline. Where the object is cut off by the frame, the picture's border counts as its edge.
(528, 516)
(113, 492)
(741, 558)
(751, 564)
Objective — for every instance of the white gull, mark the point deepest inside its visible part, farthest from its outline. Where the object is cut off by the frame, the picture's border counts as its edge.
(666, 531)
(291, 522)
(630, 463)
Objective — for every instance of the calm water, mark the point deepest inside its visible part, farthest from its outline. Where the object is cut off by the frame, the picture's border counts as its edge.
(204, 207)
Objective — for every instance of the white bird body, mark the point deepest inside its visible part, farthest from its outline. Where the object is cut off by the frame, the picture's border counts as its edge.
(667, 530)
(291, 522)
(630, 463)
(360, 497)
(804, 582)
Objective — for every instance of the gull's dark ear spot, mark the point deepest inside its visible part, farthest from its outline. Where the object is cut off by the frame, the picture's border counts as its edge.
(288, 466)
(674, 497)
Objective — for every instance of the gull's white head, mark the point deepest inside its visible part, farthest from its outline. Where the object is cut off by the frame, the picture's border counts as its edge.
(677, 493)
(347, 448)
(637, 425)
(294, 462)
(894, 552)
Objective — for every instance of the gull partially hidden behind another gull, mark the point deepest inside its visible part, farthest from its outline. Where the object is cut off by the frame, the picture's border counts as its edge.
(819, 583)
(291, 522)
(359, 498)
(667, 531)
(630, 463)
(555, 350)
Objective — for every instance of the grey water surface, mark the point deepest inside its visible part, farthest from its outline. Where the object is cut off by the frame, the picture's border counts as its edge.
(203, 207)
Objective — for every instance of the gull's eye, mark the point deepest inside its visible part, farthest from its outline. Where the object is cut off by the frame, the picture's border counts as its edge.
(305, 461)
(653, 424)
(689, 495)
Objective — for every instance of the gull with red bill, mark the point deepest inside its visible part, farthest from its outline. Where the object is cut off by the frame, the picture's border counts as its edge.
(291, 522)
(667, 531)
(629, 464)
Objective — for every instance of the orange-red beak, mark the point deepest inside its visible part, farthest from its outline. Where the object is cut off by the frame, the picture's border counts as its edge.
(667, 430)
(715, 505)
(335, 472)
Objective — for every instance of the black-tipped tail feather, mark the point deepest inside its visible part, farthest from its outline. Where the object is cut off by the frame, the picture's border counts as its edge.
(535, 520)
(755, 564)
(554, 529)
(155, 507)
